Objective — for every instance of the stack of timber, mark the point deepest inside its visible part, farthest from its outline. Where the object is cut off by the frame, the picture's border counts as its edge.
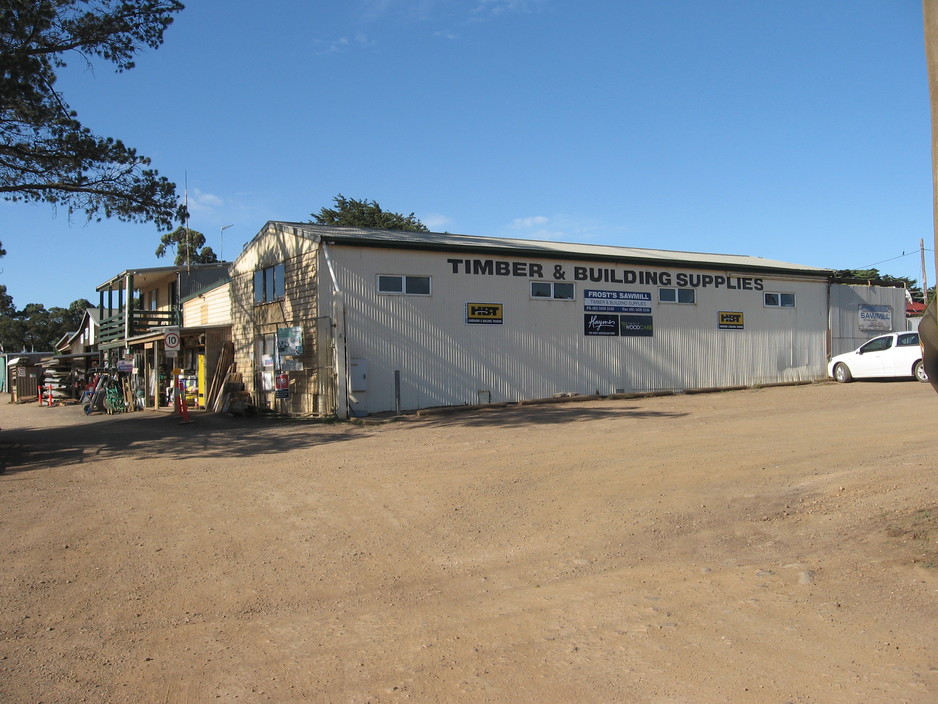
(235, 400)
(226, 392)
(223, 368)
(128, 394)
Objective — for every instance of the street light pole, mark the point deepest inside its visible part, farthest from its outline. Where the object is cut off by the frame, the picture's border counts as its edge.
(221, 251)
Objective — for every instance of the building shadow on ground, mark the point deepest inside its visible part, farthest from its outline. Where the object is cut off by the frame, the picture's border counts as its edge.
(522, 415)
(152, 435)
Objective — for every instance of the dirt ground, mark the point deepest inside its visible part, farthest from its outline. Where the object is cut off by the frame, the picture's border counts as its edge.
(772, 545)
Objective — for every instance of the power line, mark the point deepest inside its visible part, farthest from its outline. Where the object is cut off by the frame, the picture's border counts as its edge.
(904, 254)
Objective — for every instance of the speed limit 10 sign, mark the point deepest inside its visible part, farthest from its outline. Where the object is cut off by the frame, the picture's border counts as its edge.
(171, 341)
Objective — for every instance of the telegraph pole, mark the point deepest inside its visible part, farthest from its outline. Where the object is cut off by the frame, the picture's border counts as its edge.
(921, 245)
(930, 15)
(928, 325)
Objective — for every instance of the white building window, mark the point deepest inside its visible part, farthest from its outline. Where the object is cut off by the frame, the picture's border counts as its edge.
(555, 290)
(406, 285)
(269, 284)
(677, 295)
(779, 300)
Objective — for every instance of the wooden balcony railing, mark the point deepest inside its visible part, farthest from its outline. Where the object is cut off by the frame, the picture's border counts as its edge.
(141, 322)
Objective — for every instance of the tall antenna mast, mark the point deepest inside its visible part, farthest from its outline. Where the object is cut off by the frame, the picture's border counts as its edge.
(187, 244)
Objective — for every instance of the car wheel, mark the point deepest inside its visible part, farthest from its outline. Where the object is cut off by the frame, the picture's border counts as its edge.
(842, 374)
(919, 371)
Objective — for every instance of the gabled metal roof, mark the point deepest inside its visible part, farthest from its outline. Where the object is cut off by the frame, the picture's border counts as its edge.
(144, 277)
(92, 315)
(437, 241)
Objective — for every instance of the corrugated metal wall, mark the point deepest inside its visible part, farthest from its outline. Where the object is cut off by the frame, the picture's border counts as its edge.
(845, 320)
(540, 350)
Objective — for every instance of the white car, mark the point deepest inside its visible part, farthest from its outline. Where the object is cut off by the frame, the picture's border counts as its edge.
(897, 354)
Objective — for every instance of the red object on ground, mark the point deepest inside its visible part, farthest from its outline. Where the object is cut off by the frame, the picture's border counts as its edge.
(181, 408)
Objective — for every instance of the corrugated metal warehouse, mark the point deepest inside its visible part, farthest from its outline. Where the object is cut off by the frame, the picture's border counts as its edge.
(858, 313)
(355, 321)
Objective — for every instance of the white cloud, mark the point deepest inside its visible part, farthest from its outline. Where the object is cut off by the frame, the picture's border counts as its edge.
(522, 223)
(560, 228)
(199, 202)
(375, 9)
(359, 40)
(494, 8)
(362, 41)
(435, 221)
(332, 47)
(374, 14)
(534, 228)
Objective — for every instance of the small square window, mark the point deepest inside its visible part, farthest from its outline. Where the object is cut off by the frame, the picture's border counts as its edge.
(391, 284)
(541, 289)
(417, 285)
(564, 292)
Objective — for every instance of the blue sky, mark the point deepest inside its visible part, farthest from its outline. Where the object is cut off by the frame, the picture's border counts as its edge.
(796, 131)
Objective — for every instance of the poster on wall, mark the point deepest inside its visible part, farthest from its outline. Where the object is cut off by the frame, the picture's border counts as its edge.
(290, 348)
(484, 314)
(282, 386)
(595, 301)
(601, 324)
(636, 326)
(290, 342)
(875, 318)
(731, 320)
